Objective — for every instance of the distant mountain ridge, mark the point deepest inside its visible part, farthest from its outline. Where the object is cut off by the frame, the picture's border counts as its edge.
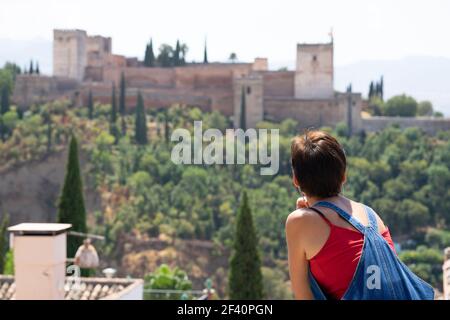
(423, 77)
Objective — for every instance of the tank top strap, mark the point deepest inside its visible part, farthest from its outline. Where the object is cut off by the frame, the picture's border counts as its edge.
(344, 215)
(322, 215)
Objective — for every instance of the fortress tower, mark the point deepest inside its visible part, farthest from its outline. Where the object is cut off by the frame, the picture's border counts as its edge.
(69, 53)
(252, 87)
(79, 56)
(314, 71)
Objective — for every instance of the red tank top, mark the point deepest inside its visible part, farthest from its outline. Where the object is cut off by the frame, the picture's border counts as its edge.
(334, 265)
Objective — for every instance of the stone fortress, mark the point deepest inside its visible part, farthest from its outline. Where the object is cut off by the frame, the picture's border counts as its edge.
(83, 63)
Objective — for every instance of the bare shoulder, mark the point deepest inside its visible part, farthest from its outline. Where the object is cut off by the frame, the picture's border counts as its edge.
(299, 218)
(381, 226)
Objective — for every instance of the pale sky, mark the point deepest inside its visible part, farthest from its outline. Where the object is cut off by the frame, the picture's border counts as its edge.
(363, 30)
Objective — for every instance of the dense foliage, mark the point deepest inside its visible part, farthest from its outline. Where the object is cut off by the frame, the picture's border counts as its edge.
(403, 174)
(165, 278)
(400, 106)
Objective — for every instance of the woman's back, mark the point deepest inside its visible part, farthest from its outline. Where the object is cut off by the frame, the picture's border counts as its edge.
(338, 246)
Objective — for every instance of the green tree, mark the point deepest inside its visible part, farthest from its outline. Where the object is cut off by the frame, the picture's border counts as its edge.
(205, 54)
(90, 105)
(31, 70)
(9, 263)
(151, 55)
(146, 55)
(3, 241)
(149, 58)
(37, 69)
(232, 57)
(140, 133)
(425, 108)
(402, 106)
(122, 101)
(245, 278)
(371, 90)
(376, 106)
(165, 278)
(71, 207)
(183, 52)
(426, 263)
(113, 116)
(381, 90)
(4, 103)
(243, 118)
(4, 109)
(165, 57)
(176, 55)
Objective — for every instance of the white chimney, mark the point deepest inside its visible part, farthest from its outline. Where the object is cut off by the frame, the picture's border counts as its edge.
(39, 260)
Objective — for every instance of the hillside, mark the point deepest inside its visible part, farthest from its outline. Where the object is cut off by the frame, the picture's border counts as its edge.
(151, 210)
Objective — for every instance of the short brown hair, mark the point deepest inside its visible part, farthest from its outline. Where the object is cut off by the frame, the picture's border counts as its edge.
(319, 163)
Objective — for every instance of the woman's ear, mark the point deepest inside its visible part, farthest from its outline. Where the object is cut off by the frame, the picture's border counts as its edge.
(295, 181)
(345, 179)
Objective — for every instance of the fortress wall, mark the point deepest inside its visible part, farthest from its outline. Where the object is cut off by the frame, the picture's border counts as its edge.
(92, 73)
(210, 76)
(201, 78)
(193, 77)
(279, 83)
(308, 113)
(222, 103)
(31, 89)
(429, 125)
(142, 77)
(153, 98)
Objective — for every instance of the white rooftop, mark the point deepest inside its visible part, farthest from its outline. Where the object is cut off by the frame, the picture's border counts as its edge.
(39, 228)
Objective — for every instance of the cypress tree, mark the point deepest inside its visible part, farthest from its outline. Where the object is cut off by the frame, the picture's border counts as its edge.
(113, 118)
(377, 89)
(122, 95)
(243, 118)
(31, 71)
(4, 106)
(71, 207)
(371, 90)
(166, 127)
(176, 55)
(140, 128)
(37, 68)
(245, 277)
(122, 106)
(381, 88)
(151, 55)
(3, 241)
(146, 56)
(205, 54)
(90, 104)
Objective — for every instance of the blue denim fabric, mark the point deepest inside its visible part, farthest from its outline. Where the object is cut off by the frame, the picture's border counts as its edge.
(396, 281)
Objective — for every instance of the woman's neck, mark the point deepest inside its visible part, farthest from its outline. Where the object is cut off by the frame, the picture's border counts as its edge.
(313, 200)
